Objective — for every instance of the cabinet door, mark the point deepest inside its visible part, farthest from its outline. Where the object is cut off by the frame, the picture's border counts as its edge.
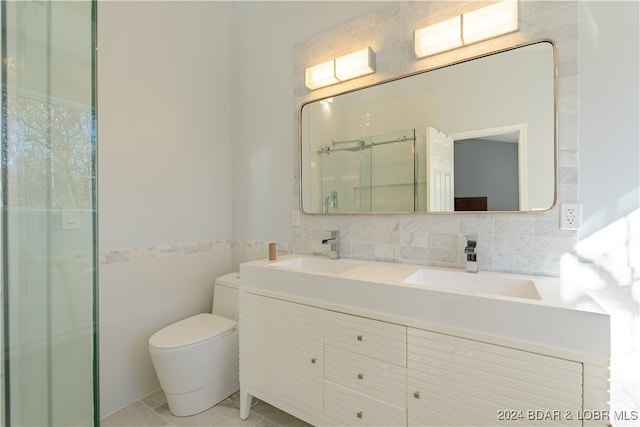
(281, 354)
(457, 381)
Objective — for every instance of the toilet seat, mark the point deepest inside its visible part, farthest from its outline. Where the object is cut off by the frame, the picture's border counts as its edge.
(191, 331)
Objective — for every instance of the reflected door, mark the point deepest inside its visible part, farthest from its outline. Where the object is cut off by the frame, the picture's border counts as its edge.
(439, 171)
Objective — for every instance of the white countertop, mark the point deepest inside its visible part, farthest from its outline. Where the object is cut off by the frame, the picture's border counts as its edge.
(382, 289)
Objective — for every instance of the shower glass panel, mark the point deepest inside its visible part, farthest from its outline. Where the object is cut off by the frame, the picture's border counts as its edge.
(346, 178)
(349, 183)
(364, 193)
(48, 252)
(394, 183)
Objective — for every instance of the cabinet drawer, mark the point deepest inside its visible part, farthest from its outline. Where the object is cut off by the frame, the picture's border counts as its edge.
(350, 408)
(369, 376)
(373, 338)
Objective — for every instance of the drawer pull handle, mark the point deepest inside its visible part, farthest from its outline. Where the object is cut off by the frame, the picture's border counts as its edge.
(359, 414)
(314, 360)
(359, 337)
(416, 394)
(360, 376)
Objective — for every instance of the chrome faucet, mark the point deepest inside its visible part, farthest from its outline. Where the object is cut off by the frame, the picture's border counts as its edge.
(334, 240)
(331, 201)
(470, 252)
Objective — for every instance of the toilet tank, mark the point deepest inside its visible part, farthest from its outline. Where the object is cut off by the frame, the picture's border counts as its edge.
(225, 296)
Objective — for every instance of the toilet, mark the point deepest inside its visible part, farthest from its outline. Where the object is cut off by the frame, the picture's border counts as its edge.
(196, 359)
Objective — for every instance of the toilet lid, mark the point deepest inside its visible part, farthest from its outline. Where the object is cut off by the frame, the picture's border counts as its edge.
(195, 329)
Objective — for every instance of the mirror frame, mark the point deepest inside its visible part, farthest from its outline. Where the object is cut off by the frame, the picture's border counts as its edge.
(402, 76)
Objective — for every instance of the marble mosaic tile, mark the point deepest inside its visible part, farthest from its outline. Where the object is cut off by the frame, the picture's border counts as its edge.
(444, 257)
(418, 239)
(129, 254)
(568, 175)
(520, 244)
(568, 157)
(413, 254)
(477, 223)
(443, 223)
(550, 228)
(513, 262)
(510, 225)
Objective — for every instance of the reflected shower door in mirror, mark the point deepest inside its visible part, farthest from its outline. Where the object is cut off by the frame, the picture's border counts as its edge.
(476, 135)
(348, 182)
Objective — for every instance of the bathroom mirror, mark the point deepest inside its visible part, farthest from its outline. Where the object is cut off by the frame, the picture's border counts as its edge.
(477, 135)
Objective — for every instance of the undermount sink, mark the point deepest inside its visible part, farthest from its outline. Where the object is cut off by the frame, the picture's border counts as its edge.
(474, 283)
(316, 265)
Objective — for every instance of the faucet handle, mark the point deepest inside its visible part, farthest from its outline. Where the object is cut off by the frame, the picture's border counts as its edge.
(334, 240)
(472, 240)
(335, 235)
(470, 252)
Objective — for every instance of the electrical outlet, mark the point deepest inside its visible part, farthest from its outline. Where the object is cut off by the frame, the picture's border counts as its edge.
(570, 216)
(295, 217)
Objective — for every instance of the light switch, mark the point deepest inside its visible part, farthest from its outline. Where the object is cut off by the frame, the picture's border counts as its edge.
(69, 219)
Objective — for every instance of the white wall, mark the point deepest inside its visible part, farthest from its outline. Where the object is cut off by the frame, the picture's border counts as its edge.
(264, 116)
(609, 112)
(164, 177)
(165, 151)
(608, 164)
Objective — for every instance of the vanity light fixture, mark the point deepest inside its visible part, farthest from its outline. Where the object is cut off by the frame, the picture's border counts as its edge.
(320, 75)
(471, 27)
(355, 64)
(490, 21)
(438, 37)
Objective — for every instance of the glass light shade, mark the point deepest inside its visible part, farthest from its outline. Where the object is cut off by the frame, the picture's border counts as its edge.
(438, 37)
(356, 64)
(490, 21)
(320, 75)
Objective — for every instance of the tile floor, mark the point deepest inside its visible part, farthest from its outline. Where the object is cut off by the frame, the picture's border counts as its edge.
(152, 411)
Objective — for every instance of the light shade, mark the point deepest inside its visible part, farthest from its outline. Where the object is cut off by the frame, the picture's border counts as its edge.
(490, 21)
(320, 75)
(356, 64)
(438, 37)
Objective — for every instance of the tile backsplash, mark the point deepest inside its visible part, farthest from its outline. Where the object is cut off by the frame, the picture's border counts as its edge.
(529, 243)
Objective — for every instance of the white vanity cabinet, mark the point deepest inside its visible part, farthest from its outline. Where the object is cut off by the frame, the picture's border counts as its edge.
(356, 345)
(365, 371)
(333, 368)
(457, 381)
(281, 355)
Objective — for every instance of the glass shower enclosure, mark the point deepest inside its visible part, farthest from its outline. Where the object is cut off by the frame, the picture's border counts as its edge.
(380, 173)
(48, 217)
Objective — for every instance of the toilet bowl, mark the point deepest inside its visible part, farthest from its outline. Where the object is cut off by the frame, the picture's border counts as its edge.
(196, 359)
